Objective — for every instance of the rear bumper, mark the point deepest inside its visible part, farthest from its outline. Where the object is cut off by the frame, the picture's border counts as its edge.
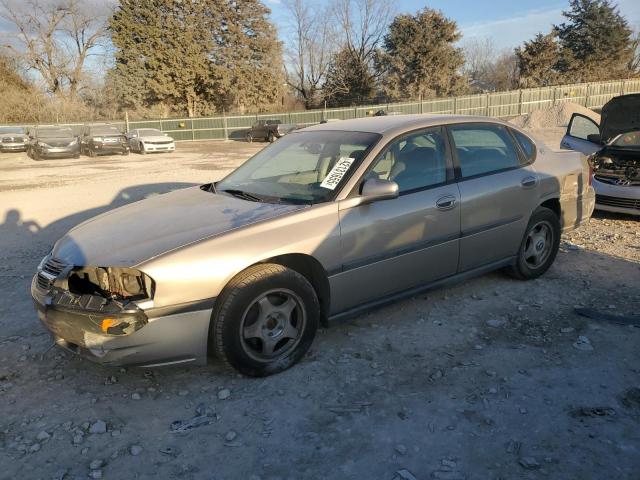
(577, 210)
(617, 198)
(161, 340)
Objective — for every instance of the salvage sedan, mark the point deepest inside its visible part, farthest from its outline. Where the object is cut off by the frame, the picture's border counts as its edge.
(324, 223)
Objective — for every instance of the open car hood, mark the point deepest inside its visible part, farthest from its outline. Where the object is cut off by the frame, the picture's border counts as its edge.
(620, 115)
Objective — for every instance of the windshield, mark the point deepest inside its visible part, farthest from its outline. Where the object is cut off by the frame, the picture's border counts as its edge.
(627, 140)
(17, 130)
(105, 130)
(150, 132)
(54, 133)
(303, 167)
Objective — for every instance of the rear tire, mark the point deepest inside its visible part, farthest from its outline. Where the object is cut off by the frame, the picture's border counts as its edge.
(265, 320)
(249, 137)
(539, 245)
(91, 152)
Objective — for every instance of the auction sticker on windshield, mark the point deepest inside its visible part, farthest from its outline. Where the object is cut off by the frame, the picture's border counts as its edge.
(338, 171)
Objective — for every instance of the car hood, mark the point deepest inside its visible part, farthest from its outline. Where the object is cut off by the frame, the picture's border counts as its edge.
(140, 231)
(620, 115)
(156, 138)
(57, 141)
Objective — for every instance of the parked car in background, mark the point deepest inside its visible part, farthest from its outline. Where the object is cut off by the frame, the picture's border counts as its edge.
(246, 268)
(613, 147)
(53, 142)
(103, 138)
(13, 139)
(269, 130)
(147, 140)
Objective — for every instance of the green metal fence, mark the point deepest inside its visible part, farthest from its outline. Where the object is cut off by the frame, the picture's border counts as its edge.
(498, 104)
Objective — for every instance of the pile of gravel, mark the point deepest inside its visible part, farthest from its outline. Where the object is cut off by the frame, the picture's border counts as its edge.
(553, 117)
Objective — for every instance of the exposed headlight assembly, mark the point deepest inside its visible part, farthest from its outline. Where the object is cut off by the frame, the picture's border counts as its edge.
(118, 283)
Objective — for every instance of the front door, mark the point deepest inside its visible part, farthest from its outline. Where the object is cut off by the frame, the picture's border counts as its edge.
(498, 190)
(393, 245)
(580, 136)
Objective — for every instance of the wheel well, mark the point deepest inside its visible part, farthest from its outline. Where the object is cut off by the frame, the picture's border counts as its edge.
(314, 272)
(553, 204)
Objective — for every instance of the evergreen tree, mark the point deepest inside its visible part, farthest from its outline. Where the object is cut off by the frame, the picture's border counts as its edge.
(194, 56)
(419, 57)
(349, 80)
(540, 62)
(598, 40)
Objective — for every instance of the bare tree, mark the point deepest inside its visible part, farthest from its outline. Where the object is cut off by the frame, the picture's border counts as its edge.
(363, 24)
(55, 38)
(312, 45)
(479, 54)
(634, 64)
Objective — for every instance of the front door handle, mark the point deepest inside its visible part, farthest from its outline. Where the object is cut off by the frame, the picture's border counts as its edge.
(446, 203)
(528, 182)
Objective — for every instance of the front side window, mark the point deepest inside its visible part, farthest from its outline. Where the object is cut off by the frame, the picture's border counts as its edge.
(483, 148)
(414, 161)
(581, 127)
(302, 167)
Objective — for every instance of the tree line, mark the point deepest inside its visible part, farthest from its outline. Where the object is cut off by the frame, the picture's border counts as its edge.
(160, 58)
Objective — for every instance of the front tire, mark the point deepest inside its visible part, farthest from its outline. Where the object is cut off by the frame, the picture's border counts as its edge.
(249, 137)
(539, 246)
(91, 152)
(271, 138)
(265, 320)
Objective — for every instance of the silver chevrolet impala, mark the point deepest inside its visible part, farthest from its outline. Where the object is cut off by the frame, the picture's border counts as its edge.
(324, 223)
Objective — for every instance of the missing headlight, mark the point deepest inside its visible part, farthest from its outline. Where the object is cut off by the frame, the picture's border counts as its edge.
(111, 282)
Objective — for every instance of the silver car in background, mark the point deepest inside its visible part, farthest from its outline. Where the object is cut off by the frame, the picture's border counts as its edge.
(613, 147)
(13, 139)
(323, 224)
(148, 140)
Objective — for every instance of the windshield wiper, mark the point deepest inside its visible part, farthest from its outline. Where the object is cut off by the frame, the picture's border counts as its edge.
(242, 194)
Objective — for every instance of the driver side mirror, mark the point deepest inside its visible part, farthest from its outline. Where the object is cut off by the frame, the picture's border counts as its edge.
(595, 138)
(375, 189)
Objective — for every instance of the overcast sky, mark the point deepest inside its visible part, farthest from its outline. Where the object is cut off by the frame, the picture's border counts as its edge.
(507, 22)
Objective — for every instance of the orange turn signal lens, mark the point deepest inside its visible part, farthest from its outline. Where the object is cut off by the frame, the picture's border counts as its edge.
(107, 323)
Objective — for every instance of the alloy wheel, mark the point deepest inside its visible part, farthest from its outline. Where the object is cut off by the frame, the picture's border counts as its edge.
(272, 325)
(538, 244)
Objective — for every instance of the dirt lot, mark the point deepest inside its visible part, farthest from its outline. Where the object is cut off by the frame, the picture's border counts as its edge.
(484, 380)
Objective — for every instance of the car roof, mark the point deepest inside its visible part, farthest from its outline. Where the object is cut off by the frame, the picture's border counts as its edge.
(394, 123)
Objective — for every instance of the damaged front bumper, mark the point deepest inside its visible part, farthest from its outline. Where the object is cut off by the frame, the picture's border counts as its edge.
(121, 333)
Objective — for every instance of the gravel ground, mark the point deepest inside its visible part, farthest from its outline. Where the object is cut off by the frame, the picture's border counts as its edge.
(490, 379)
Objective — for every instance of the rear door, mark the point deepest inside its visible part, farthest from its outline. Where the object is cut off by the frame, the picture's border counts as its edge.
(498, 190)
(580, 129)
(392, 245)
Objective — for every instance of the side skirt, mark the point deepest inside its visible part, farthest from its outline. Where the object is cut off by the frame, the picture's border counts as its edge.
(394, 297)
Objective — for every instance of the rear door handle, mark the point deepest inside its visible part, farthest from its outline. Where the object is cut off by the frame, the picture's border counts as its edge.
(528, 182)
(446, 203)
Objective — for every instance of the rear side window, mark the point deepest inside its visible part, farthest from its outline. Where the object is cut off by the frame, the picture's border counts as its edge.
(527, 145)
(483, 148)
